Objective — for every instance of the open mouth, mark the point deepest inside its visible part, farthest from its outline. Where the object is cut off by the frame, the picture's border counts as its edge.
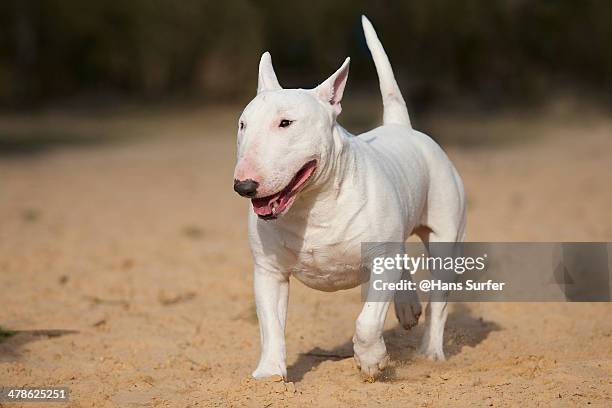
(270, 207)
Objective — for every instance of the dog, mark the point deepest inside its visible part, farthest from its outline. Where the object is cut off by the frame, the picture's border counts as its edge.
(318, 192)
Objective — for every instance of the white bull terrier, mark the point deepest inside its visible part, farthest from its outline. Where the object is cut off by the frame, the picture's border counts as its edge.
(318, 192)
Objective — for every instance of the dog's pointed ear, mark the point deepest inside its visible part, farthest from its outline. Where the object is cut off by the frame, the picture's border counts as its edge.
(332, 89)
(267, 77)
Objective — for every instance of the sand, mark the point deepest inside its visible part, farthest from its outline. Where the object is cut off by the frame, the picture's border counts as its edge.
(126, 275)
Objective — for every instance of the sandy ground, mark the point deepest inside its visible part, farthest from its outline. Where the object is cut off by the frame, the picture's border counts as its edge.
(126, 275)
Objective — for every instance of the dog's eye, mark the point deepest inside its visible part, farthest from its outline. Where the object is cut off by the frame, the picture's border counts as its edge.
(285, 123)
(242, 125)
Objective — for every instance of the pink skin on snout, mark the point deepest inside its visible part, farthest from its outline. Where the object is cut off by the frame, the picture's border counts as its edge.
(270, 204)
(246, 171)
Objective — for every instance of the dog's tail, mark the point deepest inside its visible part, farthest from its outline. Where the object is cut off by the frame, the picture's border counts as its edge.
(395, 110)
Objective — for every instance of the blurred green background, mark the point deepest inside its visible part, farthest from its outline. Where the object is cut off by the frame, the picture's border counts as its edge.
(480, 53)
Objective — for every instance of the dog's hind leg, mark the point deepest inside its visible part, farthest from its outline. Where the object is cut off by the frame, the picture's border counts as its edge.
(408, 308)
(407, 305)
(441, 242)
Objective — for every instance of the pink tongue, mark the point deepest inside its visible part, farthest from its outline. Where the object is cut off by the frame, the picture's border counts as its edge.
(264, 206)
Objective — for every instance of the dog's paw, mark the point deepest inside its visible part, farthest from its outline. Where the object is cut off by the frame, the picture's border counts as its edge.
(432, 353)
(372, 359)
(270, 371)
(407, 310)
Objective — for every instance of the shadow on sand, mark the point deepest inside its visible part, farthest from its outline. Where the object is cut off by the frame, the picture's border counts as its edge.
(12, 341)
(462, 329)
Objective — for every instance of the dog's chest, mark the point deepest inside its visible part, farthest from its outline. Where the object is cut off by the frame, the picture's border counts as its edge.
(326, 266)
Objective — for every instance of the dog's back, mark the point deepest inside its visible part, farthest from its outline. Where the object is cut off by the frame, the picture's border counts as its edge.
(407, 153)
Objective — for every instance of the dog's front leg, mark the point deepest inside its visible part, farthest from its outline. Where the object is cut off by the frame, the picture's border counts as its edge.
(368, 343)
(271, 295)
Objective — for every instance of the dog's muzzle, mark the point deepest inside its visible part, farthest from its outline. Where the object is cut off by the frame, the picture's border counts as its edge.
(246, 188)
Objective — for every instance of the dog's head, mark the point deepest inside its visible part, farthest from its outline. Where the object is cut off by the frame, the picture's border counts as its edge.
(285, 139)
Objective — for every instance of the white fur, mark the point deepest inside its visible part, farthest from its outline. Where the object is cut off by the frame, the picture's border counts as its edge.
(382, 185)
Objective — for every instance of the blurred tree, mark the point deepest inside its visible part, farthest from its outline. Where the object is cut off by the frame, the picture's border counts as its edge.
(492, 51)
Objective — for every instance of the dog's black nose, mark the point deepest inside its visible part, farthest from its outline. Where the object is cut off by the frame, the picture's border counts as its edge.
(246, 188)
